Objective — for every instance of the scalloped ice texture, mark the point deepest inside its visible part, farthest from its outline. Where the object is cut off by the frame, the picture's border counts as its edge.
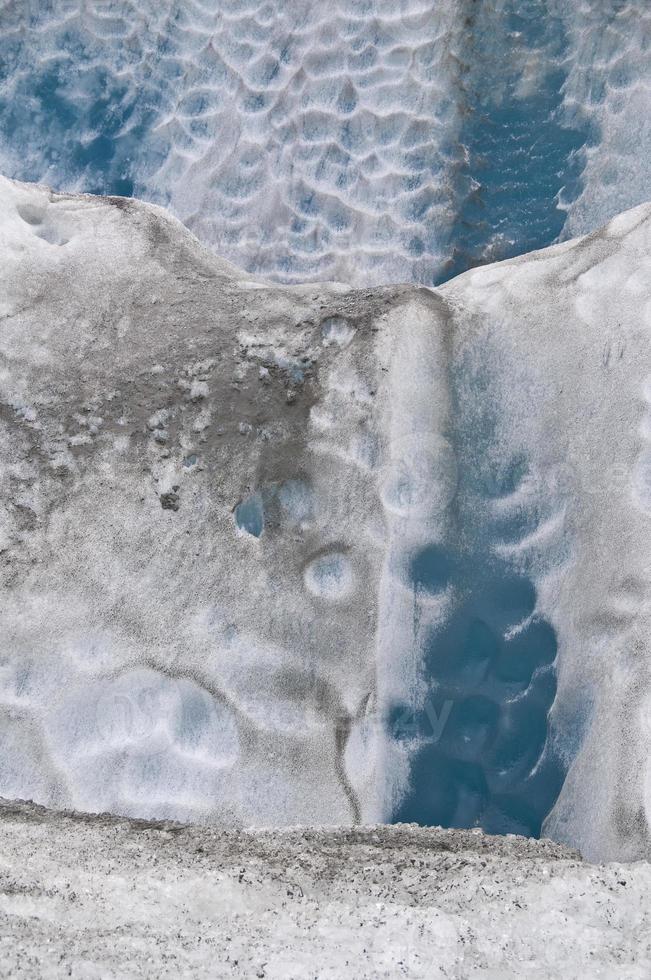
(369, 141)
(307, 554)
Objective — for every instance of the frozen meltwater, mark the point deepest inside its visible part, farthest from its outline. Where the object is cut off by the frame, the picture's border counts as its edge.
(370, 142)
(311, 554)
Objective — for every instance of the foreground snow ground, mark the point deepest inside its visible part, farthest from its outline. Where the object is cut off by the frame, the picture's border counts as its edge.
(102, 896)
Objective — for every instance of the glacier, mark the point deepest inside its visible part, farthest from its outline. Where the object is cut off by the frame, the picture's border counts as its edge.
(287, 554)
(369, 141)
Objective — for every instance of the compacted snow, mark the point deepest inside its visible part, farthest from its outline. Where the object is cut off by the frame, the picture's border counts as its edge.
(100, 897)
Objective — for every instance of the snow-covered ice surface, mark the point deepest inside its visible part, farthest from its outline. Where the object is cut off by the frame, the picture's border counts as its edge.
(275, 555)
(92, 897)
(366, 140)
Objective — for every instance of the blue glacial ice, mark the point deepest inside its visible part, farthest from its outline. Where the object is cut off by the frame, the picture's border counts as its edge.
(370, 142)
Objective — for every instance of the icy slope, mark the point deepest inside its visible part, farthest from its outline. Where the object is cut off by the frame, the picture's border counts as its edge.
(99, 897)
(281, 555)
(370, 140)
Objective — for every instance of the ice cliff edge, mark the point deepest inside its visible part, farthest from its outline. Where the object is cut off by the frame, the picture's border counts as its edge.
(273, 554)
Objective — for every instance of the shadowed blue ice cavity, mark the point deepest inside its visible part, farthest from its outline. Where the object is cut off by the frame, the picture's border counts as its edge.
(275, 505)
(249, 515)
(491, 672)
(485, 759)
(483, 754)
(432, 569)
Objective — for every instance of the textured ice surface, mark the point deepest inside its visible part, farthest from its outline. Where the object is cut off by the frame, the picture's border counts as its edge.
(363, 140)
(292, 554)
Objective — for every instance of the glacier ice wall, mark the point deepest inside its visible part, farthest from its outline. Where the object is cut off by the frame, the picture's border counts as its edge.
(374, 141)
(281, 554)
